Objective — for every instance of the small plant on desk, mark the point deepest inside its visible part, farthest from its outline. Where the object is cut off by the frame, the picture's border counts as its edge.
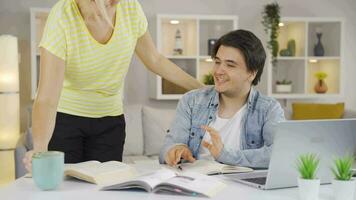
(343, 184)
(307, 182)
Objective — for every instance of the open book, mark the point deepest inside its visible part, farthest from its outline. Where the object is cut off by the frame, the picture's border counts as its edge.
(209, 167)
(170, 182)
(114, 172)
(101, 173)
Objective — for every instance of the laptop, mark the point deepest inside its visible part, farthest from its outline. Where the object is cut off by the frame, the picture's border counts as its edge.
(326, 138)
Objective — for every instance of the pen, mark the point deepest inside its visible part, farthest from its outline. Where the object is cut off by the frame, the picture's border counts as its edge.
(179, 167)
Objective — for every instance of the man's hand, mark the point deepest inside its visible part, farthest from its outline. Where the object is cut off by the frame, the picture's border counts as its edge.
(174, 155)
(216, 146)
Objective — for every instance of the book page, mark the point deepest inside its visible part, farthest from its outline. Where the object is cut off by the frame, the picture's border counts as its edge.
(209, 167)
(157, 177)
(192, 183)
(100, 173)
(74, 166)
(199, 166)
(147, 182)
(203, 167)
(82, 165)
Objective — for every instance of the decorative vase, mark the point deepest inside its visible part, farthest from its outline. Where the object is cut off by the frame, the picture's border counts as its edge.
(318, 48)
(291, 47)
(320, 86)
(344, 190)
(178, 48)
(308, 189)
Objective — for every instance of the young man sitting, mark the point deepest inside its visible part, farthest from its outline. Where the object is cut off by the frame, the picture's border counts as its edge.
(231, 122)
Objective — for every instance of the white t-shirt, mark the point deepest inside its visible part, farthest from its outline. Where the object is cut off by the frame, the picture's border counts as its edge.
(229, 130)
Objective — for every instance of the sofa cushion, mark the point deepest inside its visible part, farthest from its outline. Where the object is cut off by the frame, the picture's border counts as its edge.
(156, 122)
(134, 135)
(133, 159)
(304, 111)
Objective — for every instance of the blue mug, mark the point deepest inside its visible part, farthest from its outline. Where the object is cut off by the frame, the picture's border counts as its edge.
(48, 169)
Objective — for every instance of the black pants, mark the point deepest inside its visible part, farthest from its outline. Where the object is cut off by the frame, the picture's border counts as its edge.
(83, 139)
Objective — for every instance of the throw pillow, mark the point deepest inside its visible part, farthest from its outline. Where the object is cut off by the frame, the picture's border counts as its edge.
(155, 123)
(134, 135)
(305, 111)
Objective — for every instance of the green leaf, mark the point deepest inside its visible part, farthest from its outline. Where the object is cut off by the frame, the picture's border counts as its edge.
(208, 79)
(343, 168)
(307, 165)
(270, 21)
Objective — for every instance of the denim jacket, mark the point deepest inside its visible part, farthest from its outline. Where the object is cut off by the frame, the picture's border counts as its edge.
(199, 107)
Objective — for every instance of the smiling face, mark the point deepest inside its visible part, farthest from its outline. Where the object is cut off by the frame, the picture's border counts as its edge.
(231, 75)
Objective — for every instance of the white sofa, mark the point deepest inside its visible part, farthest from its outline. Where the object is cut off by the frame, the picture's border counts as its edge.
(146, 128)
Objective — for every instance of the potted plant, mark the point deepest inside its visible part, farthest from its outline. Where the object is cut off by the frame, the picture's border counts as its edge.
(284, 86)
(320, 86)
(307, 182)
(271, 18)
(208, 79)
(343, 184)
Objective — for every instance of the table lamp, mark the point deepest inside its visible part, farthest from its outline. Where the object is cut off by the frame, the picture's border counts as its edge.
(9, 92)
(9, 106)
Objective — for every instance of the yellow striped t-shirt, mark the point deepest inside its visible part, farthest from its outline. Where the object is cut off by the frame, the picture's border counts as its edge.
(94, 72)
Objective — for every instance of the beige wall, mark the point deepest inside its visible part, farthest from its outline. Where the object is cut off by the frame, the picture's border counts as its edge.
(15, 20)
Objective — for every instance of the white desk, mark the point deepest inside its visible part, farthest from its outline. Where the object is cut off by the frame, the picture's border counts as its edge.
(24, 188)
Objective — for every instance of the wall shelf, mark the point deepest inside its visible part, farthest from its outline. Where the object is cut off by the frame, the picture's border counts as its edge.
(195, 31)
(301, 67)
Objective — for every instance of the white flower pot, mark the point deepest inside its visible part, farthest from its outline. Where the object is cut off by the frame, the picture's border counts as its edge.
(283, 88)
(344, 190)
(308, 189)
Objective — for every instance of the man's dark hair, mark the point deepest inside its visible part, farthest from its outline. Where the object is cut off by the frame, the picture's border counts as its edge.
(249, 45)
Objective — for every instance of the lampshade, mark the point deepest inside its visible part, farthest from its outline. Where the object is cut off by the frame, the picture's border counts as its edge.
(9, 92)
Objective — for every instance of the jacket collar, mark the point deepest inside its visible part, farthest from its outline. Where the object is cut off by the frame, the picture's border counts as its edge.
(214, 99)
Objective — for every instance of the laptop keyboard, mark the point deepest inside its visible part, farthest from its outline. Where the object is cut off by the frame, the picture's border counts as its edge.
(259, 180)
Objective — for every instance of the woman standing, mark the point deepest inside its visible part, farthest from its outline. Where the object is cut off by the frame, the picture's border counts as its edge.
(86, 50)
